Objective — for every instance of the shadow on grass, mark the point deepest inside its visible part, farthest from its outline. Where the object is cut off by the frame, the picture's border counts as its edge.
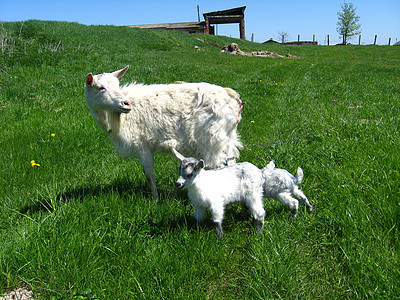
(122, 188)
(161, 223)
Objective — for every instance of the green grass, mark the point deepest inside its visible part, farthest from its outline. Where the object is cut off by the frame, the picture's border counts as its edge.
(83, 225)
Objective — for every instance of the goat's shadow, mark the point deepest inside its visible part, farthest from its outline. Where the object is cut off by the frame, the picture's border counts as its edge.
(124, 189)
(119, 187)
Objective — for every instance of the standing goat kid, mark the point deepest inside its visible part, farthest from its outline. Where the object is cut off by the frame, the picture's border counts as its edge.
(196, 118)
(214, 189)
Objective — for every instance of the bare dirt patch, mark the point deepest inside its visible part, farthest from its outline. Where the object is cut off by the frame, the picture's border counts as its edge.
(20, 294)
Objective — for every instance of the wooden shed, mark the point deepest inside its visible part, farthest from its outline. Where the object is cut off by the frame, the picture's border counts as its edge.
(233, 15)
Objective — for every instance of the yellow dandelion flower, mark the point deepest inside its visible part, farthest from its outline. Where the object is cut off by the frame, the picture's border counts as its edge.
(53, 134)
(251, 121)
(34, 164)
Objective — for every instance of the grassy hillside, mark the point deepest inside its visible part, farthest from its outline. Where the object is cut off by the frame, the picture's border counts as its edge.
(79, 221)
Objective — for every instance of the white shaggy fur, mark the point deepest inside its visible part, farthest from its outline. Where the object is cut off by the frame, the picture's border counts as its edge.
(244, 182)
(199, 119)
(281, 185)
(214, 189)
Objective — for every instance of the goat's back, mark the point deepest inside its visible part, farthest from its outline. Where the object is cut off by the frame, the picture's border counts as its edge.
(231, 183)
(198, 119)
(276, 181)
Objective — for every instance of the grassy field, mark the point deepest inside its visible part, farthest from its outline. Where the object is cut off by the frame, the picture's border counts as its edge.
(78, 222)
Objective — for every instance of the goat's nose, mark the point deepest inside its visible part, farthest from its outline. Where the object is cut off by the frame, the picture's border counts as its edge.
(179, 185)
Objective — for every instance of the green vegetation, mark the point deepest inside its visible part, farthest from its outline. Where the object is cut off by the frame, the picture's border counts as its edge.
(79, 221)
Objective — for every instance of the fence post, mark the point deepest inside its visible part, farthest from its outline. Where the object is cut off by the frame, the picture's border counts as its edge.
(359, 39)
(313, 39)
(298, 39)
(328, 40)
(390, 39)
(376, 36)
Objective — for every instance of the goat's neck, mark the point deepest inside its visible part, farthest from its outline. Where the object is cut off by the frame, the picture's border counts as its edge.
(114, 121)
(198, 180)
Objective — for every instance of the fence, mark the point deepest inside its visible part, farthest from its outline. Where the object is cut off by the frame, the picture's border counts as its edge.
(327, 41)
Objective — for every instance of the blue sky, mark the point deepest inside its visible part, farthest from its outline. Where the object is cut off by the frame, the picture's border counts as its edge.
(262, 18)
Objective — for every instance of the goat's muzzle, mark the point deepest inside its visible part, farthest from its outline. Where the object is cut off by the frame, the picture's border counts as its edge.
(180, 185)
(125, 106)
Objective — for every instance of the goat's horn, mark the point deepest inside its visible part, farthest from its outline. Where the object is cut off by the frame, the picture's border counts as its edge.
(178, 155)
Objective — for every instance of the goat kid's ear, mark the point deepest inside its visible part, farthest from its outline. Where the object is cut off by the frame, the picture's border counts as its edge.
(200, 165)
(179, 156)
(121, 72)
(89, 79)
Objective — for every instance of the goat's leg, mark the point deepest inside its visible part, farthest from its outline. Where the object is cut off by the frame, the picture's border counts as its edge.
(228, 156)
(147, 161)
(199, 213)
(256, 207)
(303, 199)
(288, 200)
(217, 217)
(218, 228)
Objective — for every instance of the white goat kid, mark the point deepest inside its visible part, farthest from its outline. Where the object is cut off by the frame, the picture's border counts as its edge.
(214, 189)
(196, 118)
(281, 185)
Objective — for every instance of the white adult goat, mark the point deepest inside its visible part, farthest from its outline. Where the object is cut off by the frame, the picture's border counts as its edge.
(199, 119)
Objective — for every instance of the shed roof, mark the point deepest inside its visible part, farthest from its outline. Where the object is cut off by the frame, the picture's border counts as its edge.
(233, 15)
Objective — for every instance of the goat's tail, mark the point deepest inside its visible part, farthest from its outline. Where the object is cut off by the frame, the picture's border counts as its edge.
(300, 175)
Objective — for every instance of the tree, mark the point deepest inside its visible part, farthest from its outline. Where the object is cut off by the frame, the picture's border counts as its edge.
(284, 35)
(347, 24)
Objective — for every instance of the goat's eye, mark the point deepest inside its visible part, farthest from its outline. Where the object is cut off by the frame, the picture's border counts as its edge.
(101, 89)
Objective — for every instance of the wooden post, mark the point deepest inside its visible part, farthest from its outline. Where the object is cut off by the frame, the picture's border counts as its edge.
(313, 39)
(252, 37)
(328, 40)
(390, 39)
(241, 28)
(198, 12)
(207, 29)
(376, 36)
(298, 39)
(359, 39)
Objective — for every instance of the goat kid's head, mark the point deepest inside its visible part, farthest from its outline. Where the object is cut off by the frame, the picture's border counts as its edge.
(103, 92)
(188, 170)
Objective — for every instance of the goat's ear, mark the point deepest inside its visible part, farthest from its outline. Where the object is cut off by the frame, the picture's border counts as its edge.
(89, 79)
(271, 165)
(200, 165)
(178, 155)
(121, 72)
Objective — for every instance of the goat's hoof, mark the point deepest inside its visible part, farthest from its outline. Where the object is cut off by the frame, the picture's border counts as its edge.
(293, 215)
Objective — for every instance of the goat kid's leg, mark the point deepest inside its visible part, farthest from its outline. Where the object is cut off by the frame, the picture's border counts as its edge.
(147, 161)
(303, 199)
(257, 209)
(217, 217)
(199, 213)
(288, 200)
